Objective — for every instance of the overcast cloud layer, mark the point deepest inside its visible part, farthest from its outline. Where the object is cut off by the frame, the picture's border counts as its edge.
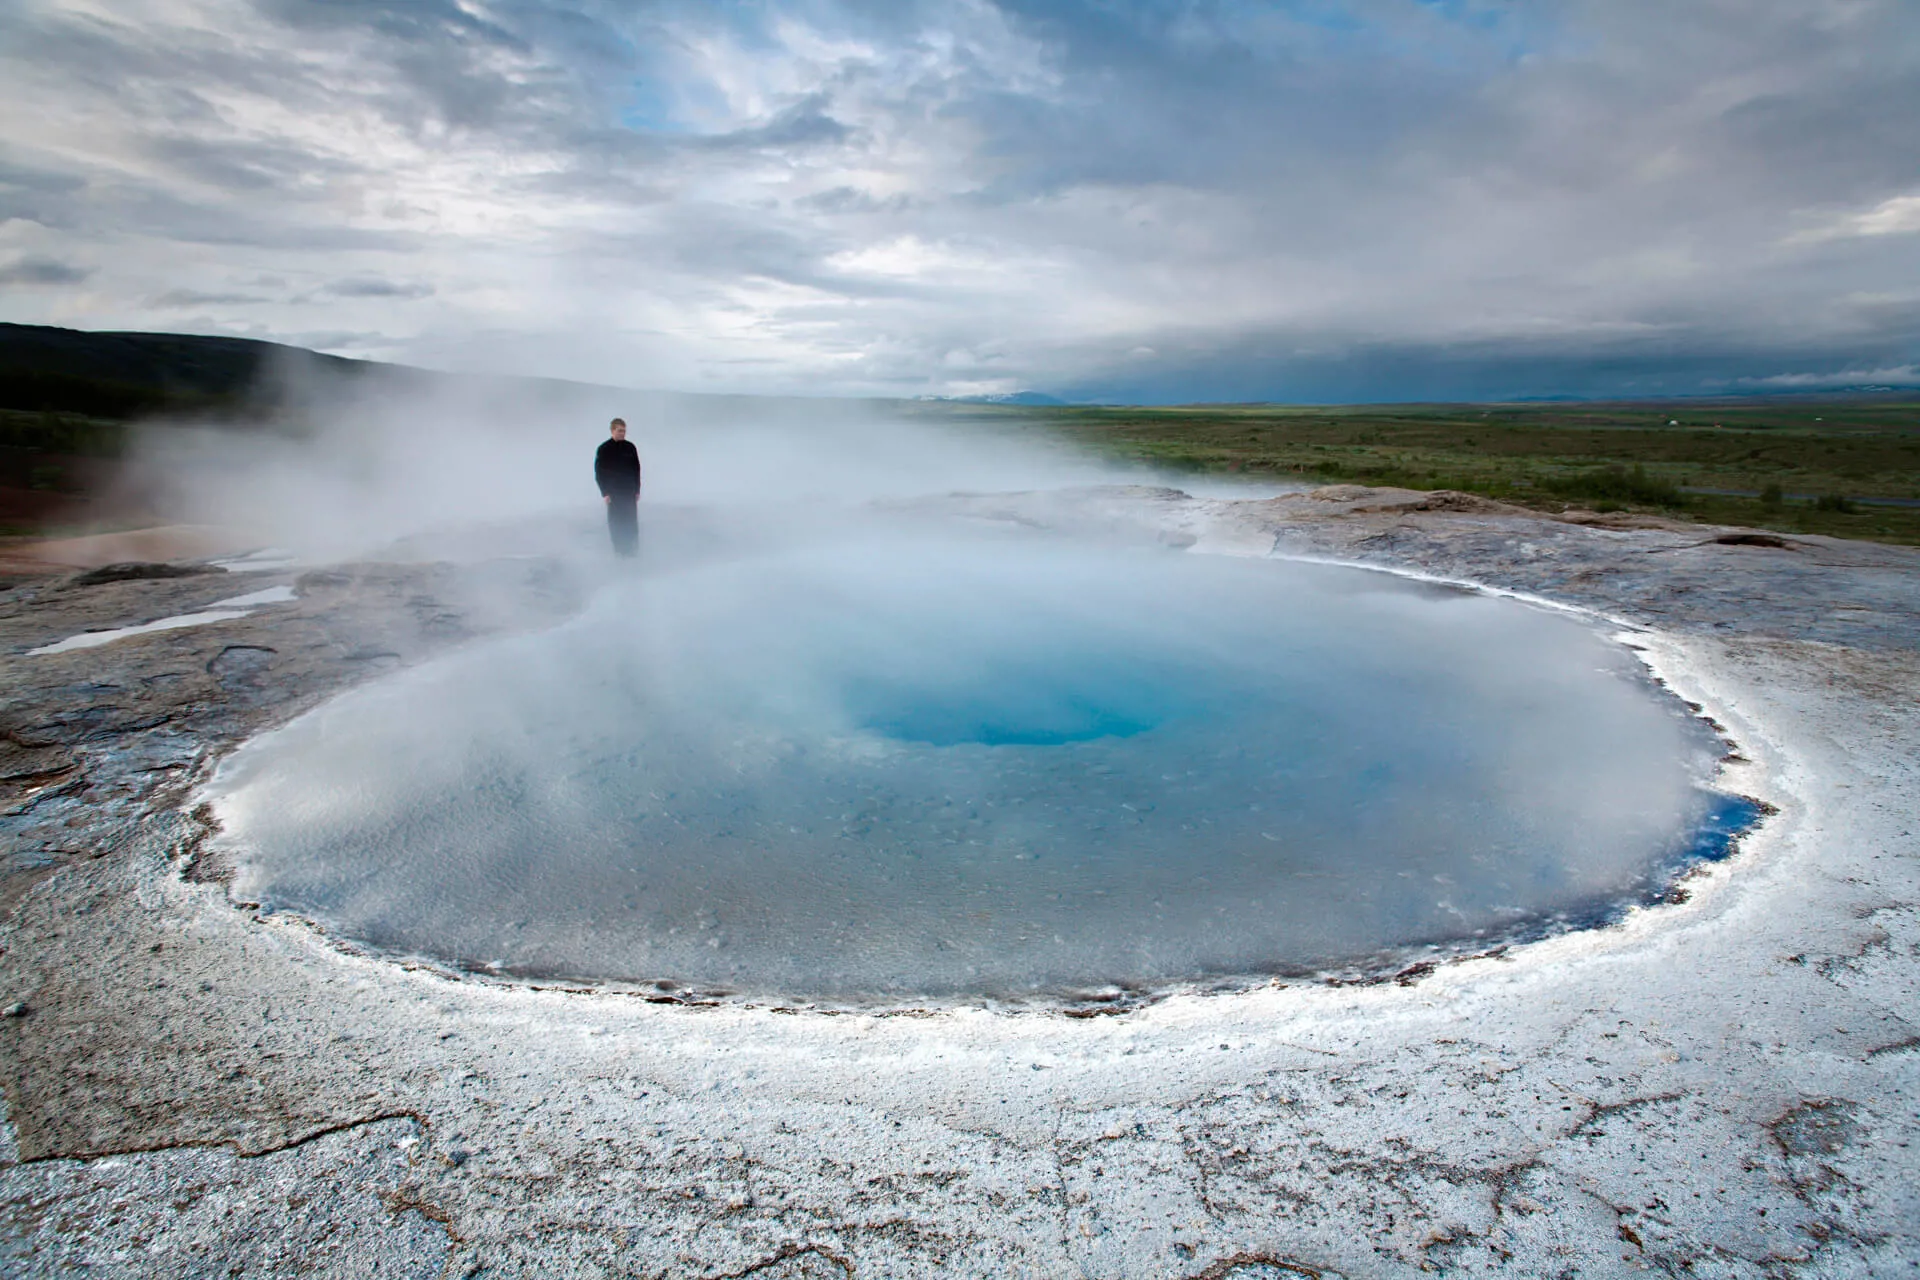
(1316, 199)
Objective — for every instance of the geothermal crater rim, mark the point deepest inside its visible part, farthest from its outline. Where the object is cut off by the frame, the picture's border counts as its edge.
(1406, 970)
(1416, 954)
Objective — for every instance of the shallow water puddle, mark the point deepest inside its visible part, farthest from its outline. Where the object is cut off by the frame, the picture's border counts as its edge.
(262, 560)
(270, 595)
(218, 611)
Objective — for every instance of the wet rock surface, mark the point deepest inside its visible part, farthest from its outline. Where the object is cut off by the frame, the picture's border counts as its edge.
(93, 741)
(139, 570)
(1725, 1087)
(338, 1204)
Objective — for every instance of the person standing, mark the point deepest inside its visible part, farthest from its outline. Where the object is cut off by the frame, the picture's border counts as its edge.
(616, 469)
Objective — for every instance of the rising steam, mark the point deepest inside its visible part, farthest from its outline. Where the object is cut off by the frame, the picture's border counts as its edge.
(346, 468)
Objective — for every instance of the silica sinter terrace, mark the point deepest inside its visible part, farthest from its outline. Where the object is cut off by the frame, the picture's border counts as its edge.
(980, 766)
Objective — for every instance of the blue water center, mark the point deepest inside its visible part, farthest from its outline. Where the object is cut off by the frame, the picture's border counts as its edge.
(1034, 700)
(983, 765)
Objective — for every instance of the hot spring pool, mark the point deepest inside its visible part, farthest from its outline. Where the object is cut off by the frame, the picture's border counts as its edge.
(980, 766)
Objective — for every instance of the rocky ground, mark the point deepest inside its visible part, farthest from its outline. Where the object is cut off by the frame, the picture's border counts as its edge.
(1724, 1086)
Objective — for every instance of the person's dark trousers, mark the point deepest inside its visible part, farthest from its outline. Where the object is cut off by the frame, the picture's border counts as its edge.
(623, 524)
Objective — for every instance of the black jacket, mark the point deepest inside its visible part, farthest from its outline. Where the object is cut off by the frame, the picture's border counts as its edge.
(616, 469)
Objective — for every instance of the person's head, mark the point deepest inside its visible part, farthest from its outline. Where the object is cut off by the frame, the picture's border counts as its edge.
(619, 428)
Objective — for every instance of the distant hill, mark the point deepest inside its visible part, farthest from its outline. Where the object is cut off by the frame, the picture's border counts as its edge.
(127, 375)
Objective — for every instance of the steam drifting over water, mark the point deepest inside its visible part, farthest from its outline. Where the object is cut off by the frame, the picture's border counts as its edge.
(830, 739)
(436, 466)
(904, 758)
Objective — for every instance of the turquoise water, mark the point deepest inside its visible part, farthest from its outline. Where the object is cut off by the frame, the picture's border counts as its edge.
(1032, 702)
(919, 767)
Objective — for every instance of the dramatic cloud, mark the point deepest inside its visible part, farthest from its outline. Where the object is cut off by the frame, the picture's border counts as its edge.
(1906, 375)
(183, 298)
(1159, 200)
(374, 287)
(32, 270)
(1898, 216)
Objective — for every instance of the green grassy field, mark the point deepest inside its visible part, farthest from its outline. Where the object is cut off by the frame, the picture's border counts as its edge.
(46, 431)
(1799, 465)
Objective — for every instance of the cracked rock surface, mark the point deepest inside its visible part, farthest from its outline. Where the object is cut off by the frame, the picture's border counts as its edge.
(1720, 1087)
(337, 1204)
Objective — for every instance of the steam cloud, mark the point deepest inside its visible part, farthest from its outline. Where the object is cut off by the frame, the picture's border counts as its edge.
(350, 470)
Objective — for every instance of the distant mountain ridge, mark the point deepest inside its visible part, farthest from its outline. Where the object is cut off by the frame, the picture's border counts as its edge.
(121, 374)
(128, 375)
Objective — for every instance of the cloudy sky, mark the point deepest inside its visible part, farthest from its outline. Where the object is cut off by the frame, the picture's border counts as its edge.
(1102, 199)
